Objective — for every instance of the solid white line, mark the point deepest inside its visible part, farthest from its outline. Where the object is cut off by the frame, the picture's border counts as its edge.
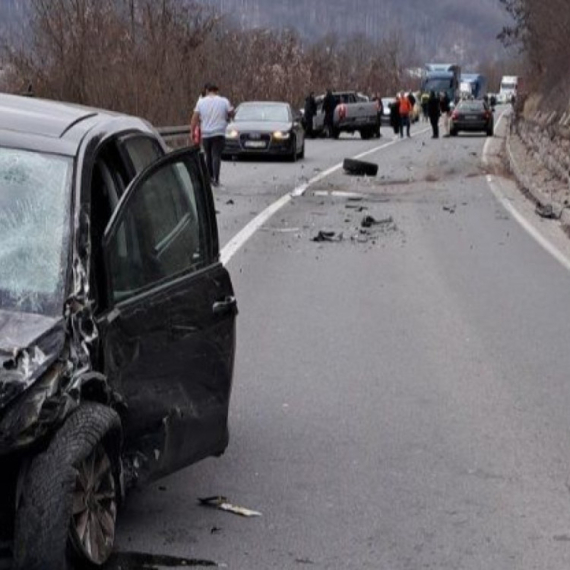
(522, 221)
(530, 229)
(238, 241)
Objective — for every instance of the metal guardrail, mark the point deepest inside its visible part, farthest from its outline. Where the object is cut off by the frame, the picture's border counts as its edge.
(170, 132)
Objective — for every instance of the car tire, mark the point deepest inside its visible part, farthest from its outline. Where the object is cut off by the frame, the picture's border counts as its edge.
(70, 491)
(293, 155)
(365, 134)
(360, 167)
(490, 133)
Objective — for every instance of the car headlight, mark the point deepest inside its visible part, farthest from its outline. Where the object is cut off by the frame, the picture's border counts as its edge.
(281, 136)
(232, 134)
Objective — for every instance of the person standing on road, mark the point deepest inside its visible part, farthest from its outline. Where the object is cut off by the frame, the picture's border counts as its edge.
(434, 113)
(379, 112)
(212, 114)
(309, 115)
(425, 106)
(445, 109)
(405, 110)
(395, 115)
(329, 105)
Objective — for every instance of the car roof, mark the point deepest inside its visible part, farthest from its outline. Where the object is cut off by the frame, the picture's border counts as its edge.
(41, 124)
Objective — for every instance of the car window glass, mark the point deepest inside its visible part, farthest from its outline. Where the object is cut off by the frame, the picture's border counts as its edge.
(162, 232)
(142, 151)
(35, 190)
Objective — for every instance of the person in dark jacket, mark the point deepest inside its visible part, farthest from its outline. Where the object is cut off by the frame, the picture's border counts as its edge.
(309, 115)
(329, 105)
(434, 113)
(395, 116)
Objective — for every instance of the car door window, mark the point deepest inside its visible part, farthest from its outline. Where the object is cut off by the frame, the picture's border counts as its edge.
(142, 151)
(162, 231)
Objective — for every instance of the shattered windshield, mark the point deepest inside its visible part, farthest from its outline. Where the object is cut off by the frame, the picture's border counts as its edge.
(34, 230)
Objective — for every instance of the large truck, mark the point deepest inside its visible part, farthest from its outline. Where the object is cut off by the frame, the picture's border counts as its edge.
(473, 85)
(509, 87)
(444, 77)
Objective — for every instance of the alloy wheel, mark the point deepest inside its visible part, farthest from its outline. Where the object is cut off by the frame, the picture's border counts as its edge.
(94, 507)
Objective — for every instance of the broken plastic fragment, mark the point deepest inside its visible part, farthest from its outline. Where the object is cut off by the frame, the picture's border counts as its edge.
(327, 236)
(222, 504)
(369, 221)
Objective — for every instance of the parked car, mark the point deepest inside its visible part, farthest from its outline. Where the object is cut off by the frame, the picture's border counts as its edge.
(265, 128)
(117, 323)
(472, 115)
(387, 102)
(354, 112)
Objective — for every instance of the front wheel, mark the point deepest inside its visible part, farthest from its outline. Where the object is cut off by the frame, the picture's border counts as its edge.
(293, 155)
(70, 496)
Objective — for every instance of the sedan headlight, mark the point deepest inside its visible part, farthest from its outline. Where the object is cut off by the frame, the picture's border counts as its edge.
(281, 136)
(232, 134)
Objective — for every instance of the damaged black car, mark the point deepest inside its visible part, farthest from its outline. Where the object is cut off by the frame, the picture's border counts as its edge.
(117, 324)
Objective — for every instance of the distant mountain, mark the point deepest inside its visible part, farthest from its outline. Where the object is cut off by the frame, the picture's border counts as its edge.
(459, 30)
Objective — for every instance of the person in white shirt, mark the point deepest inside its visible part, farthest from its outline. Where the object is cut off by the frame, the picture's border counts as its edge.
(212, 114)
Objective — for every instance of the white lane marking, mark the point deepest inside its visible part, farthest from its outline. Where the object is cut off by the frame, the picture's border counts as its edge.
(338, 194)
(530, 229)
(237, 242)
(521, 220)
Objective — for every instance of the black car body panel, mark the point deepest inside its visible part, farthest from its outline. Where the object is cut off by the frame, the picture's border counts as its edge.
(258, 137)
(163, 357)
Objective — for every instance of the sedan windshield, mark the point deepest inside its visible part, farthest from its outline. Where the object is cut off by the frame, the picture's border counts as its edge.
(34, 230)
(274, 113)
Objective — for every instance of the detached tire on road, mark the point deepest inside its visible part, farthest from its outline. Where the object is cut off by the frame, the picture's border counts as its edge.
(70, 495)
(360, 167)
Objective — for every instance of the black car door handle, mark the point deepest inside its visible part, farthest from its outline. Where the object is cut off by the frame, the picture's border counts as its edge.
(228, 305)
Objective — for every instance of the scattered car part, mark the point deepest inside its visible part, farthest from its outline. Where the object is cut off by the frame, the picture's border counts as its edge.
(222, 504)
(327, 236)
(359, 167)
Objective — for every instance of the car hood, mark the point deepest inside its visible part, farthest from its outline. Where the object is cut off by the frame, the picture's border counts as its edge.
(260, 126)
(29, 344)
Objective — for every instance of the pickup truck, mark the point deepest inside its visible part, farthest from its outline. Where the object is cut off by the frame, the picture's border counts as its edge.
(354, 112)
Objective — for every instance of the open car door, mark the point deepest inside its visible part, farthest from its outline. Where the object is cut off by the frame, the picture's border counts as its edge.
(168, 336)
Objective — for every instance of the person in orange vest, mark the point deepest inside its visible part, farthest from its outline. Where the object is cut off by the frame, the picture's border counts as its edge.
(405, 110)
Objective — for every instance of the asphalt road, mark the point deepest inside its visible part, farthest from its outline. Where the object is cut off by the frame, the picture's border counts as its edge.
(402, 396)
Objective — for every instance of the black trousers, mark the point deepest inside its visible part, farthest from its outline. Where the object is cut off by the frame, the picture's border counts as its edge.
(213, 148)
(434, 126)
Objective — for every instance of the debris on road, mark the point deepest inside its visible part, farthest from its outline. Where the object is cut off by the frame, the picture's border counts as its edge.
(327, 236)
(356, 207)
(230, 202)
(450, 209)
(359, 167)
(222, 504)
(546, 211)
(147, 561)
(369, 221)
